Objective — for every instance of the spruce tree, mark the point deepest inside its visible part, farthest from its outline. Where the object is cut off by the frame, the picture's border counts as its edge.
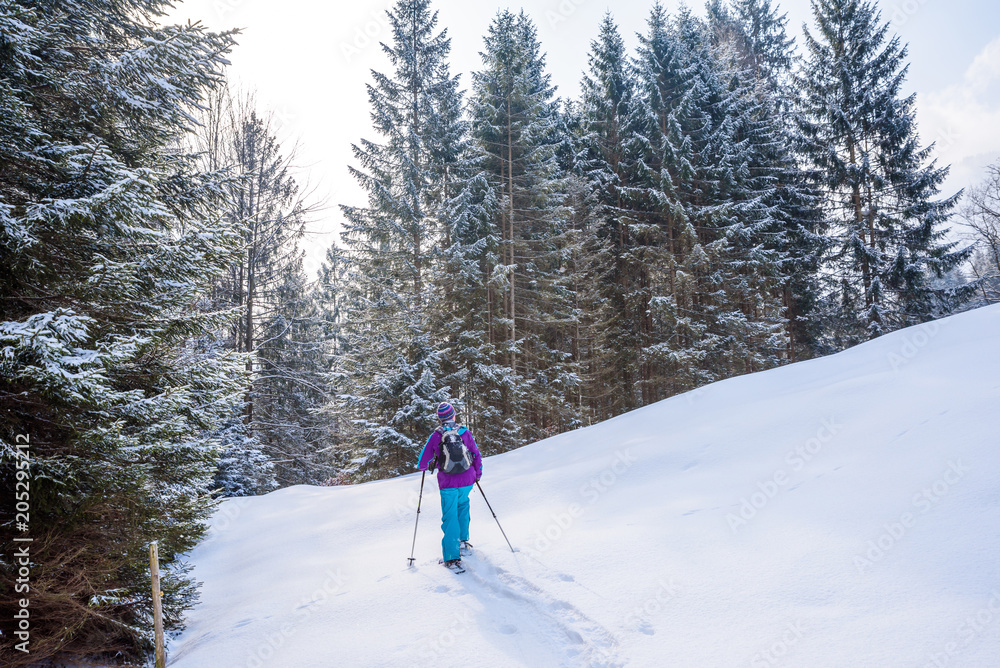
(109, 243)
(467, 316)
(329, 298)
(393, 374)
(517, 129)
(608, 111)
(713, 312)
(757, 31)
(291, 383)
(887, 237)
(243, 468)
(752, 39)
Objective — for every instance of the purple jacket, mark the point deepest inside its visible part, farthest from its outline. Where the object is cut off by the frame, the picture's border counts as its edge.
(448, 480)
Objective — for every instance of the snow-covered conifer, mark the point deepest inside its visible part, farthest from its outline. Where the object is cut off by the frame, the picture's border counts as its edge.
(517, 128)
(751, 39)
(621, 277)
(713, 310)
(391, 380)
(887, 237)
(109, 242)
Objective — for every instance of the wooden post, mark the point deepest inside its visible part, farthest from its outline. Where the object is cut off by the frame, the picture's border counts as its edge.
(154, 567)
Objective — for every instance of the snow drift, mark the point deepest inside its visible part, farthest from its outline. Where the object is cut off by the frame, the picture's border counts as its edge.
(837, 512)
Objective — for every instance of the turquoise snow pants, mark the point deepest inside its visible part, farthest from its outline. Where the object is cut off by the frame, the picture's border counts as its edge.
(454, 520)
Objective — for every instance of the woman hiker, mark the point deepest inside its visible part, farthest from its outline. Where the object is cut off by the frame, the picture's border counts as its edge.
(453, 451)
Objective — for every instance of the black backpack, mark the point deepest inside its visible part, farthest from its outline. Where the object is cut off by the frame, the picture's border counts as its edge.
(454, 457)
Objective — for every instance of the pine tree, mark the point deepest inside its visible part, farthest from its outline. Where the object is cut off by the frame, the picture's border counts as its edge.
(109, 243)
(887, 237)
(393, 380)
(460, 313)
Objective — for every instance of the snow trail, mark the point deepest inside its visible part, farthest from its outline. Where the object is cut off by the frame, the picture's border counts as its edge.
(836, 512)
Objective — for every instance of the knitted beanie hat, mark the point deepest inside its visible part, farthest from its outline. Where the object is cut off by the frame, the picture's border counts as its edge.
(446, 411)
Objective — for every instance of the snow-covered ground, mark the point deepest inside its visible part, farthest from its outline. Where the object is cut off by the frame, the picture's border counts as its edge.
(838, 512)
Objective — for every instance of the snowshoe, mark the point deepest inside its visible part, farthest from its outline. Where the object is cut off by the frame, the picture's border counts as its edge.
(454, 565)
(465, 548)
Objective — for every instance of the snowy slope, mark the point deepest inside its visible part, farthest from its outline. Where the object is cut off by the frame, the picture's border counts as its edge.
(838, 512)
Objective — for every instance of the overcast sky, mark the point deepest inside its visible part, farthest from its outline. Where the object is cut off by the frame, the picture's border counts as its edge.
(309, 62)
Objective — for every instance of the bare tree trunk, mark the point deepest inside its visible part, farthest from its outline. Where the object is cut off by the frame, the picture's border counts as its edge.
(510, 217)
(417, 256)
(858, 221)
(504, 242)
(249, 339)
(790, 321)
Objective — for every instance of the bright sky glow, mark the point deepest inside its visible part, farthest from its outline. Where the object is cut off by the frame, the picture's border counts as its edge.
(310, 61)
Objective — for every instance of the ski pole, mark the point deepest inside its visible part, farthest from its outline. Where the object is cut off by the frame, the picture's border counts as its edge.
(494, 515)
(419, 499)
